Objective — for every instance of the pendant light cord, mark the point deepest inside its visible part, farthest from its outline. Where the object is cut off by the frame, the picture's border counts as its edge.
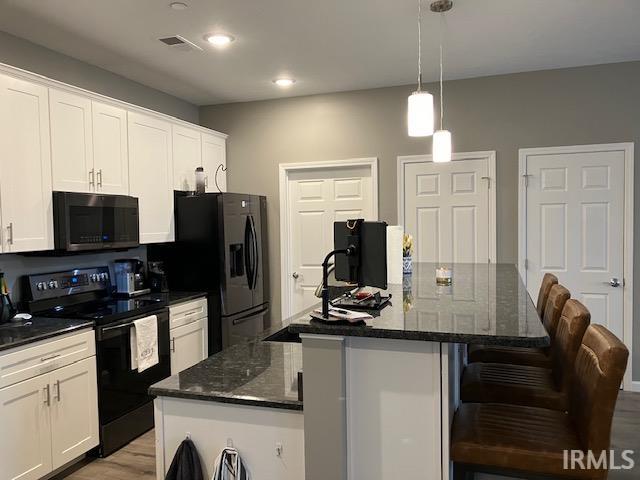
(419, 45)
(441, 94)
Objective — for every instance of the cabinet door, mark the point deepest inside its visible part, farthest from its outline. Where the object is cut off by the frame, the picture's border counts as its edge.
(25, 167)
(25, 443)
(188, 345)
(74, 410)
(151, 176)
(187, 156)
(110, 151)
(214, 154)
(71, 142)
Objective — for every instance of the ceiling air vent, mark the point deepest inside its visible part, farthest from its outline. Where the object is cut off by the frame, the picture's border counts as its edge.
(180, 43)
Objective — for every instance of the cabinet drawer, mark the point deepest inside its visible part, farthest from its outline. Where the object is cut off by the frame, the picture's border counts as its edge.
(42, 357)
(187, 312)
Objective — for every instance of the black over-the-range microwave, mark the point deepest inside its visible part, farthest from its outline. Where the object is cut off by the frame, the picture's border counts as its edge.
(90, 221)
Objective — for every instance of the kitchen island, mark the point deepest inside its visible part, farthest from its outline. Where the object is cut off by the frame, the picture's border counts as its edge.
(378, 396)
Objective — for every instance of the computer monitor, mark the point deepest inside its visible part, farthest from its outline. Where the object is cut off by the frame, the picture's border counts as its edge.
(368, 266)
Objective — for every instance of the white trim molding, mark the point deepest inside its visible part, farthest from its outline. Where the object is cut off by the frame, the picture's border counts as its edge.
(285, 169)
(489, 156)
(627, 148)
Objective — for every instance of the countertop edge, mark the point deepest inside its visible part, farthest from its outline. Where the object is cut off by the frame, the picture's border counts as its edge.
(45, 336)
(354, 331)
(237, 400)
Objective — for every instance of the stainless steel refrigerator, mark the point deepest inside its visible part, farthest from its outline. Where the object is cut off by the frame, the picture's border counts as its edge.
(221, 249)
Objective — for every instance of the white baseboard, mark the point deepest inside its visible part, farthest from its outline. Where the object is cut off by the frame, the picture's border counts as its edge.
(635, 386)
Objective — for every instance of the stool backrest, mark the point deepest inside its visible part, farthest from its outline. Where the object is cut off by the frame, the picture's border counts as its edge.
(558, 296)
(599, 369)
(548, 281)
(573, 323)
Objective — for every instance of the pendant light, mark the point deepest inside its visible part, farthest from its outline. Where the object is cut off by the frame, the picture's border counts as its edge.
(442, 137)
(420, 104)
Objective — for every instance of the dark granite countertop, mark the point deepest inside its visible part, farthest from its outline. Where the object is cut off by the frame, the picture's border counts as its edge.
(18, 333)
(174, 298)
(256, 373)
(486, 304)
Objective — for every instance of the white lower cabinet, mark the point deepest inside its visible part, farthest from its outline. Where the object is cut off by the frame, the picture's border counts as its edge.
(74, 411)
(50, 419)
(188, 345)
(25, 443)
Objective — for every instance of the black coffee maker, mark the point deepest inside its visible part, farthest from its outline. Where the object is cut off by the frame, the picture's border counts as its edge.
(7, 312)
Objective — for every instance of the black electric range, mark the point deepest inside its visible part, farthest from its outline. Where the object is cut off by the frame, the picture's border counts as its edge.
(124, 405)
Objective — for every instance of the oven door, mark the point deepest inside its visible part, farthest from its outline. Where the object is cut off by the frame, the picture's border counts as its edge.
(94, 222)
(120, 388)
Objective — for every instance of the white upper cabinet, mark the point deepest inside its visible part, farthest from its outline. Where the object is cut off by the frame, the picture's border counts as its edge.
(71, 142)
(214, 158)
(25, 167)
(187, 156)
(110, 149)
(151, 176)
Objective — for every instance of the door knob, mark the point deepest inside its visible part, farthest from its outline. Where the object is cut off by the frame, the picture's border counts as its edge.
(614, 282)
(295, 275)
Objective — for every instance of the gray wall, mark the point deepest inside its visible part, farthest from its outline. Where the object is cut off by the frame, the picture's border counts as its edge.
(599, 104)
(23, 54)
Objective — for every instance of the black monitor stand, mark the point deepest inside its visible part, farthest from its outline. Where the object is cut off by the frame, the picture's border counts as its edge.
(350, 251)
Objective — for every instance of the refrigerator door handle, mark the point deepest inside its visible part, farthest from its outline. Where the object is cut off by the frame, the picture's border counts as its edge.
(254, 269)
(248, 253)
(244, 318)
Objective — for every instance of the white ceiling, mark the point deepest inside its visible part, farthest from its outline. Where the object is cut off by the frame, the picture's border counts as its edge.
(327, 45)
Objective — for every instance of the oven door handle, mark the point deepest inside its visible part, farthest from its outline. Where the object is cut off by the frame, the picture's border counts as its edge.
(116, 327)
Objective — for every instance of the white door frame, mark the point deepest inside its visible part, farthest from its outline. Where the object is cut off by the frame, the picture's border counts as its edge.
(285, 225)
(627, 275)
(489, 155)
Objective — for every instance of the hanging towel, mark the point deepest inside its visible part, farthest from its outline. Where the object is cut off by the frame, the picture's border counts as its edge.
(144, 343)
(186, 463)
(229, 466)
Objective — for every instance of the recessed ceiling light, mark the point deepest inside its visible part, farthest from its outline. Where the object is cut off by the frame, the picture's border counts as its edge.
(178, 6)
(219, 39)
(284, 82)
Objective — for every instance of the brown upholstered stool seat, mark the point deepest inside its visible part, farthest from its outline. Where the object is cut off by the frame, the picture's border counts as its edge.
(513, 437)
(551, 300)
(535, 357)
(514, 384)
(532, 386)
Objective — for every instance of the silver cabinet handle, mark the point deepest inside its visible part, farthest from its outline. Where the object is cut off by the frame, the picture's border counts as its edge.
(173, 344)
(10, 233)
(47, 395)
(92, 177)
(51, 357)
(100, 178)
(56, 390)
(295, 275)
(206, 181)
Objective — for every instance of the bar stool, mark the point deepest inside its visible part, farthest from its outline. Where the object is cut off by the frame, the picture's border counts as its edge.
(532, 386)
(521, 440)
(535, 357)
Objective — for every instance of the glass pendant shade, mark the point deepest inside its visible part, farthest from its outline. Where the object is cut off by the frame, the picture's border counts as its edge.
(442, 146)
(420, 114)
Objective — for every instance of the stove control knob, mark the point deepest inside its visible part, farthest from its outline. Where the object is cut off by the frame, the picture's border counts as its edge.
(53, 284)
(41, 286)
(94, 277)
(104, 277)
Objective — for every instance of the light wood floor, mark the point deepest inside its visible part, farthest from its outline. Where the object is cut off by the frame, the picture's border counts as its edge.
(137, 460)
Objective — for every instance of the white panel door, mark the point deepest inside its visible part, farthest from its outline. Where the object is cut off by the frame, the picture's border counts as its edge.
(151, 176)
(317, 199)
(575, 228)
(214, 155)
(74, 411)
(25, 443)
(446, 210)
(188, 345)
(25, 167)
(187, 156)
(71, 142)
(110, 150)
